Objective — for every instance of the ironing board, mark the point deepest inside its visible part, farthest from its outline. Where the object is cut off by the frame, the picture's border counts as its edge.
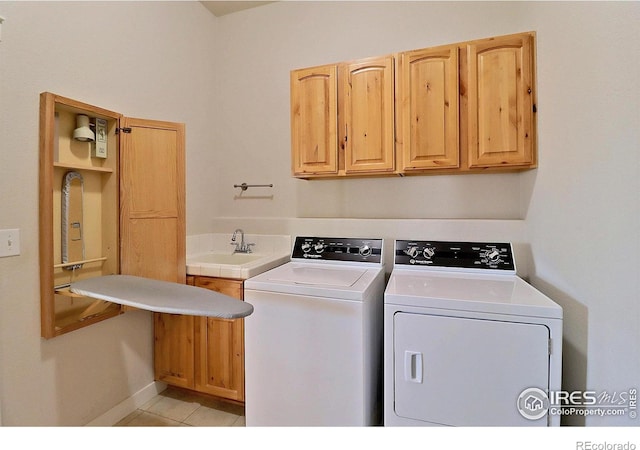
(162, 296)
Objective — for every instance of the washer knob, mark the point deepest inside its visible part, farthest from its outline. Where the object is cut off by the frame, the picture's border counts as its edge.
(365, 250)
(306, 247)
(319, 247)
(428, 252)
(412, 251)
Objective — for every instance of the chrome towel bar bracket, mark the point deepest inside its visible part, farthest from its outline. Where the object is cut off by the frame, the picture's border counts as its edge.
(245, 186)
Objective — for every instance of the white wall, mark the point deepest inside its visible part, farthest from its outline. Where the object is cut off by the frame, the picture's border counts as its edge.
(575, 220)
(152, 60)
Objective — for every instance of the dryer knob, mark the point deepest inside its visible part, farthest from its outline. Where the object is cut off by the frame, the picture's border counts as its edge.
(493, 255)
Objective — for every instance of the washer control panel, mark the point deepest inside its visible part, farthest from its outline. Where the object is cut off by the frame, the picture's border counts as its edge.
(338, 249)
(461, 255)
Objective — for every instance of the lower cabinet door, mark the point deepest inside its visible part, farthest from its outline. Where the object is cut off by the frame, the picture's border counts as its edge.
(219, 346)
(173, 349)
(220, 357)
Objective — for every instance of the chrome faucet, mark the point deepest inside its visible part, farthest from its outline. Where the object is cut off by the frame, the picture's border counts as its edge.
(241, 247)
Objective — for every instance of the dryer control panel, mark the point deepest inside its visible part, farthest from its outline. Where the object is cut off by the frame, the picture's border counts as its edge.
(338, 249)
(460, 255)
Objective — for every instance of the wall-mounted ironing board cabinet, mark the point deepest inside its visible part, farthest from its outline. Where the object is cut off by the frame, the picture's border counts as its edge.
(161, 296)
(102, 214)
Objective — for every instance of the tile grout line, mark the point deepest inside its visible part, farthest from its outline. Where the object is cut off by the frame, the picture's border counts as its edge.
(165, 417)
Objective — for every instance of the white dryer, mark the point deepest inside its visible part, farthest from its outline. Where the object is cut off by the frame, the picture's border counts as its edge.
(313, 345)
(467, 341)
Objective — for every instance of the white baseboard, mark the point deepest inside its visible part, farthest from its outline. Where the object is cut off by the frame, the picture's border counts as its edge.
(129, 405)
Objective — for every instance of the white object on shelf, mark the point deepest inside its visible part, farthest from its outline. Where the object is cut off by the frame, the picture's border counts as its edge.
(100, 147)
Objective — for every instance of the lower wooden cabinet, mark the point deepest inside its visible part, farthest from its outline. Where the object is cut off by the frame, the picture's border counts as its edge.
(202, 353)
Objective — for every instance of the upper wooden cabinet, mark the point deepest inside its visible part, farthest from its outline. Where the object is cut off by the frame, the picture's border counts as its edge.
(428, 108)
(461, 108)
(500, 101)
(314, 121)
(367, 122)
(342, 118)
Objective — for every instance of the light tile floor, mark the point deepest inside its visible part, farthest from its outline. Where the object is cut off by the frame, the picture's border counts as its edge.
(178, 408)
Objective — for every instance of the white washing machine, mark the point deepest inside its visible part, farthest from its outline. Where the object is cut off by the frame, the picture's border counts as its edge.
(467, 341)
(313, 345)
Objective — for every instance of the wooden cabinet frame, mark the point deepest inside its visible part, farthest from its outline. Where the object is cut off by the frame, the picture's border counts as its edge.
(62, 311)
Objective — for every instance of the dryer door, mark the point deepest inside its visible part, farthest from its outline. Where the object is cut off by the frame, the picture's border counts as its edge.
(467, 372)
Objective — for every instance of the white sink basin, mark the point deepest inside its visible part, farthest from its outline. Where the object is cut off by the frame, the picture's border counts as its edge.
(238, 265)
(235, 259)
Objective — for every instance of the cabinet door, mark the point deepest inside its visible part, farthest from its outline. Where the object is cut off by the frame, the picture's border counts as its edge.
(220, 346)
(367, 89)
(173, 349)
(314, 103)
(500, 101)
(152, 195)
(428, 111)
(153, 232)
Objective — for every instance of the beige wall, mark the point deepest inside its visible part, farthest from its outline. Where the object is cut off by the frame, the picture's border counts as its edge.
(152, 60)
(583, 217)
(573, 220)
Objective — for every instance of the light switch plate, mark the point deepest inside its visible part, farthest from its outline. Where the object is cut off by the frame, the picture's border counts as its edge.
(9, 242)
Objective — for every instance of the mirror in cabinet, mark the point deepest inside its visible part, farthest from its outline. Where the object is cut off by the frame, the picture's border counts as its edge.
(79, 210)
